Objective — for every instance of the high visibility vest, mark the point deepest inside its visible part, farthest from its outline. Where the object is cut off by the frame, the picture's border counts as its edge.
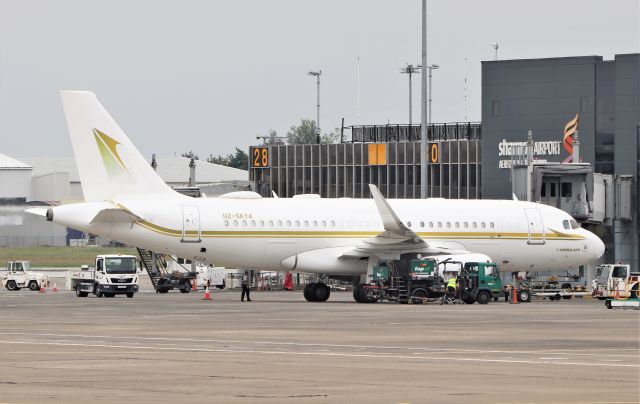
(451, 283)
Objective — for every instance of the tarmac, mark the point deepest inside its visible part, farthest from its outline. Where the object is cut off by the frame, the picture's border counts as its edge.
(56, 347)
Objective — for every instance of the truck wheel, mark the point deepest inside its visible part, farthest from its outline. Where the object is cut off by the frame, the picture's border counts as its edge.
(33, 285)
(98, 292)
(524, 296)
(634, 292)
(419, 296)
(483, 297)
(130, 295)
(12, 285)
(607, 304)
(80, 293)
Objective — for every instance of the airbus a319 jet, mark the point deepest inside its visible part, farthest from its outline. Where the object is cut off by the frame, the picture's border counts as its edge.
(126, 201)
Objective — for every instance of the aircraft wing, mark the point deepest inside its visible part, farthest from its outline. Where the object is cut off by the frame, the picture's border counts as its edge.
(396, 238)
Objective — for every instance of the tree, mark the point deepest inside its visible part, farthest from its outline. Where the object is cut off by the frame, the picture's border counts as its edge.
(190, 155)
(238, 160)
(305, 133)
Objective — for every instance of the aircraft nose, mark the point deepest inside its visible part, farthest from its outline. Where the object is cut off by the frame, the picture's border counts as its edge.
(597, 245)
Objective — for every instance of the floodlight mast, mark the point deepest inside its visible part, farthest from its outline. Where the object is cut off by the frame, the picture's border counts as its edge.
(317, 75)
(423, 107)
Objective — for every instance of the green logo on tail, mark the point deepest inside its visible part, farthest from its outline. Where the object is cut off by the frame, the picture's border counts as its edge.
(110, 157)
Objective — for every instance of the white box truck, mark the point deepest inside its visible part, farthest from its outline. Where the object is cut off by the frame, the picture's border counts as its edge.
(112, 275)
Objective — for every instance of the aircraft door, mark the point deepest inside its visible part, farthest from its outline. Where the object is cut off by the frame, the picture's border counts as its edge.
(190, 224)
(535, 226)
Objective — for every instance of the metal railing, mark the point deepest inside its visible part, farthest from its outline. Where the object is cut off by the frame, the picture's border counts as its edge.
(411, 133)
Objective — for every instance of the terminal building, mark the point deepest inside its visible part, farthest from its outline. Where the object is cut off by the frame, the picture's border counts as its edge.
(551, 98)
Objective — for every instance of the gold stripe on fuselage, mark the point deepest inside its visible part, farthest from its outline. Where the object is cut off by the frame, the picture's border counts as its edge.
(356, 234)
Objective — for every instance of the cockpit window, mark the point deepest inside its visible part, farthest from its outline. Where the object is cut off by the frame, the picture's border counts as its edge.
(566, 225)
(574, 224)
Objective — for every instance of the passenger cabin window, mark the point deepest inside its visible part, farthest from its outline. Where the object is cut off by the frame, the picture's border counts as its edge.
(297, 223)
(475, 225)
(288, 223)
(466, 224)
(421, 224)
(333, 224)
(408, 224)
(440, 224)
(244, 223)
(324, 223)
(306, 223)
(226, 223)
(492, 225)
(262, 223)
(430, 224)
(483, 224)
(279, 223)
(457, 225)
(448, 225)
(235, 223)
(270, 223)
(315, 223)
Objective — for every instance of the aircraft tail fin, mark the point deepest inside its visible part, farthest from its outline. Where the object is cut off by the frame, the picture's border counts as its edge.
(108, 163)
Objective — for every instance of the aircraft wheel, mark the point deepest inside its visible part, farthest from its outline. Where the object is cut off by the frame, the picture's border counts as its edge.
(320, 292)
(307, 292)
(360, 294)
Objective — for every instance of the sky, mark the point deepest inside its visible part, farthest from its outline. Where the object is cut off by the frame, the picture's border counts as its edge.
(208, 76)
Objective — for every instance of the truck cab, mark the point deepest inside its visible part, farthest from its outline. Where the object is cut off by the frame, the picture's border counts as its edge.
(615, 278)
(112, 275)
(19, 275)
(480, 281)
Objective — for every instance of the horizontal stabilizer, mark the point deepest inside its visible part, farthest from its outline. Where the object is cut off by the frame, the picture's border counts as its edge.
(37, 211)
(115, 215)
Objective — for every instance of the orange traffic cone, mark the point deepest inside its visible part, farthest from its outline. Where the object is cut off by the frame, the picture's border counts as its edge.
(41, 289)
(514, 295)
(207, 294)
(194, 286)
(55, 287)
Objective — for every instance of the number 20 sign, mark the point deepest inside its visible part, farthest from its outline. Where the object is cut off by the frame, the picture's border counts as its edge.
(259, 157)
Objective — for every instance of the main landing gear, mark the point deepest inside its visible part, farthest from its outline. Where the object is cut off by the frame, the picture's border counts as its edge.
(317, 292)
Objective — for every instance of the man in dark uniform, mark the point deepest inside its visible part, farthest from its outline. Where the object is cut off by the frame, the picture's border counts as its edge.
(246, 286)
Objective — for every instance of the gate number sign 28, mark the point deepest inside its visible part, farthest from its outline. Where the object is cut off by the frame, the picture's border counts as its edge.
(260, 157)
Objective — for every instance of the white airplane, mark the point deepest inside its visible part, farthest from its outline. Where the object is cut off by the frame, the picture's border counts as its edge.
(343, 238)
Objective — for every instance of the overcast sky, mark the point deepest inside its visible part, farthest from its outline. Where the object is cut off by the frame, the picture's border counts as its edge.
(211, 75)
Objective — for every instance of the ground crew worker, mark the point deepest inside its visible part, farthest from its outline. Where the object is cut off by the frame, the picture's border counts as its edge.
(451, 285)
(246, 286)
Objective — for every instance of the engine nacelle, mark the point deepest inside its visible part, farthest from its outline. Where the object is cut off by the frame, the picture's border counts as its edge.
(325, 261)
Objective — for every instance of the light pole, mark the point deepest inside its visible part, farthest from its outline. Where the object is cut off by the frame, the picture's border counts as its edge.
(494, 45)
(317, 74)
(423, 107)
(410, 69)
(432, 67)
